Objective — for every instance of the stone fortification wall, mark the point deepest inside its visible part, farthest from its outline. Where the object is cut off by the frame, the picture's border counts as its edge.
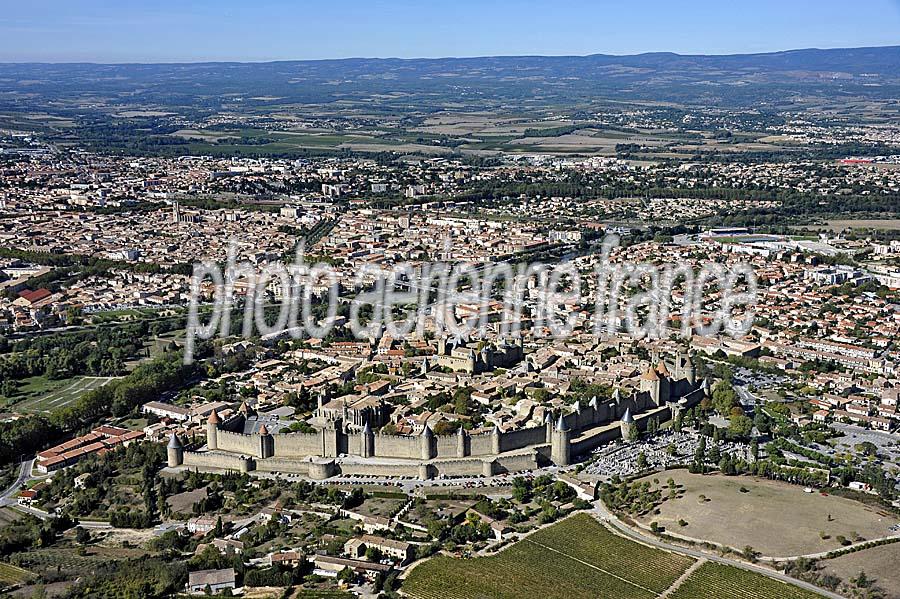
(238, 443)
(294, 445)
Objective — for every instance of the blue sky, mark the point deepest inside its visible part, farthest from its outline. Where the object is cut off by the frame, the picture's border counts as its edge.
(165, 30)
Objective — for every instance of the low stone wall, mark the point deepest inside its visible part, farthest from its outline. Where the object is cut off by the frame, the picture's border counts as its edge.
(461, 467)
(516, 463)
(290, 465)
(216, 460)
(376, 469)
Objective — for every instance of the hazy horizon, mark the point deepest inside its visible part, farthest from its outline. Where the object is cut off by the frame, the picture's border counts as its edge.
(459, 57)
(107, 32)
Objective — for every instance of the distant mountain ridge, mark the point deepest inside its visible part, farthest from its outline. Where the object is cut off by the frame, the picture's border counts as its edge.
(738, 79)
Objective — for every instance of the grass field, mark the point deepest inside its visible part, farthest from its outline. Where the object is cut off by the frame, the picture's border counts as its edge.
(718, 581)
(58, 394)
(576, 558)
(879, 564)
(731, 516)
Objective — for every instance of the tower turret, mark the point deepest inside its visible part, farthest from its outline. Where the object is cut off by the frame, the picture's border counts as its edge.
(560, 450)
(175, 451)
(628, 426)
(266, 443)
(425, 443)
(367, 440)
(690, 371)
(461, 442)
(548, 425)
(495, 440)
(650, 383)
(212, 431)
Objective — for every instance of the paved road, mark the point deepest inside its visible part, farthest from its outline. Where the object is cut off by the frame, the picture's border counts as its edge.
(97, 525)
(822, 554)
(605, 515)
(8, 496)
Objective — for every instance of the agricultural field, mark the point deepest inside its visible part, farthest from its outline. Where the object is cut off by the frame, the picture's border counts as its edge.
(53, 395)
(379, 506)
(728, 510)
(575, 558)
(879, 225)
(13, 575)
(321, 594)
(8, 516)
(68, 561)
(717, 581)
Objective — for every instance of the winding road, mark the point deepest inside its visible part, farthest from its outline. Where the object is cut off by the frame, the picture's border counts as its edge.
(604, 515)
(8, 496)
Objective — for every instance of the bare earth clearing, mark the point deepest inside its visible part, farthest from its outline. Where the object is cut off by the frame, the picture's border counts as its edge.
(879, 564)
(776, 519)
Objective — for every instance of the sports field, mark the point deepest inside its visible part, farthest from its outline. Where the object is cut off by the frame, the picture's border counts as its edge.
(60, 395)
(580, 558)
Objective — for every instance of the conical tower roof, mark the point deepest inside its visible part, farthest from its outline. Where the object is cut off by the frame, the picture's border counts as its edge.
(427, 432)
(214, 418)
(561, 423)
(263, 430)
(174, 442)
(661, 369)
(626, 417)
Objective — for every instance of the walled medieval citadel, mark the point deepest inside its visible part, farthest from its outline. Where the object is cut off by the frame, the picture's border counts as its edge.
(346, 444)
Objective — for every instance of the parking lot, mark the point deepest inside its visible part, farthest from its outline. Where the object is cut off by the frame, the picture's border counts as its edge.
(665, 450)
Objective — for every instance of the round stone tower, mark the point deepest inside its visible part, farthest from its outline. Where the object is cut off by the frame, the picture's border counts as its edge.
(175, 451)
(461, 442)
(628, 426)
(560, 451)
(212, 431)
(266, 443)
(425, 441)
(368, 441)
